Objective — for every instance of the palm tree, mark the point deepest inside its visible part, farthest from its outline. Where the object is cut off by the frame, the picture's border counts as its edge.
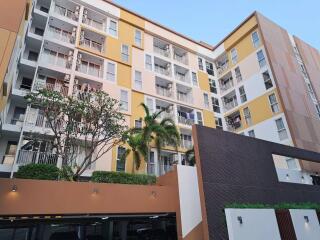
(190, 157)
(162, 133)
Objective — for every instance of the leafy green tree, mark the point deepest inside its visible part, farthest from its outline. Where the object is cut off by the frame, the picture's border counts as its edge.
(161, 132)
(91, 122)
(190, 157)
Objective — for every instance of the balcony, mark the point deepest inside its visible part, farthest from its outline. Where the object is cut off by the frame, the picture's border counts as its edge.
(71, 11)
(36, 157)
(181, 74)
(233, 121)
(166, 162)
(167, 109)
(35, 118)
(91, 40)
(180, 55)
(226, 82)
(186, 140)
(222, 63)
(184, 94)
(53, 84)
(82, 87)
(61, 31)
(162, 67)
(163, 87)
(90, 65)
(230, 101)
(161, 47)
(53, 54)
(186, 116)
(93, 19)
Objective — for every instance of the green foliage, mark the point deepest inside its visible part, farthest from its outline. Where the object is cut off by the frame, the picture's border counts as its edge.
(38, 171)
(190, 157)
(122, 178)
(305, 205)
(66, 173)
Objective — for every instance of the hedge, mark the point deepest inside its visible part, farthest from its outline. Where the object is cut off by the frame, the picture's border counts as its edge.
(122, 178)
(38, 171)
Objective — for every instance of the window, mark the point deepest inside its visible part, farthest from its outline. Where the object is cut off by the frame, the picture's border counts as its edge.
(218, 122)
(291, 163)
(237, 72)
(38, 31)
(124, 100)
(121, 159)
(247, 116)
(267, 80)
(44, 9)
(243, 96)
(151, 168)
(137, 80)
(138, 38)
(209, 67)
(113, 28)
(111, 71)
(26, 83)
(194, 79)
(150, 105)
(234, 55)
(138, 123)
(213, 86)
(200, 63)
(148, 62)
(255, 39)
(125, 53)
(215, 105)
(261, 59)
(199, 118)
(33, 56)
(206, 100)
(281, 129)
(273, 103)
(251, 133)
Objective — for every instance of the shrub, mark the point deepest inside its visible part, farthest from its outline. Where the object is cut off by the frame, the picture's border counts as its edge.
(38, 171)
(123, 178)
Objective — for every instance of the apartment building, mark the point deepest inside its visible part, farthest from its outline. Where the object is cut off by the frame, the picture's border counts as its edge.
(240, 85)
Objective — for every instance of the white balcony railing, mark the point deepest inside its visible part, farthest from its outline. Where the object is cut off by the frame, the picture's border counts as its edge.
(162, 70)
(59, 60)
(186, 144)
(42, 84)
(90, 70)
(92, 45)
(65, 12)
(183, 59)
(36, 118)
(93, 23)
(222, 68)
(227, 85)
(187, 98)
(60, 35)
(161, 51)
(164, 91)
(186, 121)
(182, 77)
(166, 115)
(27, 157)
(229, 105)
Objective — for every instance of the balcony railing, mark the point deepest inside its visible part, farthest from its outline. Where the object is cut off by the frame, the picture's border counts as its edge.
(90, 70)
(186, 121)
(182, 77)
(164, 91)
(186, 144)
(227, 85)
(93, 23)
(65, 12)
(41, 84)
(222, 68)
(36, 118)
(92, 44)
(59, 59)
(27, 157)
(59, 34)
(161, 51)
(183, 59)
(162, 70)
(229, 105)
(187, 98)
(166, 115)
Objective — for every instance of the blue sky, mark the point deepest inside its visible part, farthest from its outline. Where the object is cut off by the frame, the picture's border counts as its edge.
(211, 20)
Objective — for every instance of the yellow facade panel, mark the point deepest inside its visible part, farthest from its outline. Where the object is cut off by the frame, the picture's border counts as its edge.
(208, 118)
(203, 80)
(124, 75)
(131, 18)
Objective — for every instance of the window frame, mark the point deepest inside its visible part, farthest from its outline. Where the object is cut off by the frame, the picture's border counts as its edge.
(267, 81)
(255, 44)
(274, 105)
(136, 73)
(215, 107)
(196, 82)
(237, 73)
(126, 109)
(115, 31)
(146, 63)
(135, 37)
(281, 130)
(118, 160)
(234, 55)
(242, 94)
(125, 57)
(262, 61)
(110, 73)
(206, 101)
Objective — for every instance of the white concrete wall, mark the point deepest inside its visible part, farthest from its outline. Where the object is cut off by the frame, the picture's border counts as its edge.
(189, 198)
(304, 230)
(293, 176)
(258, 224)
